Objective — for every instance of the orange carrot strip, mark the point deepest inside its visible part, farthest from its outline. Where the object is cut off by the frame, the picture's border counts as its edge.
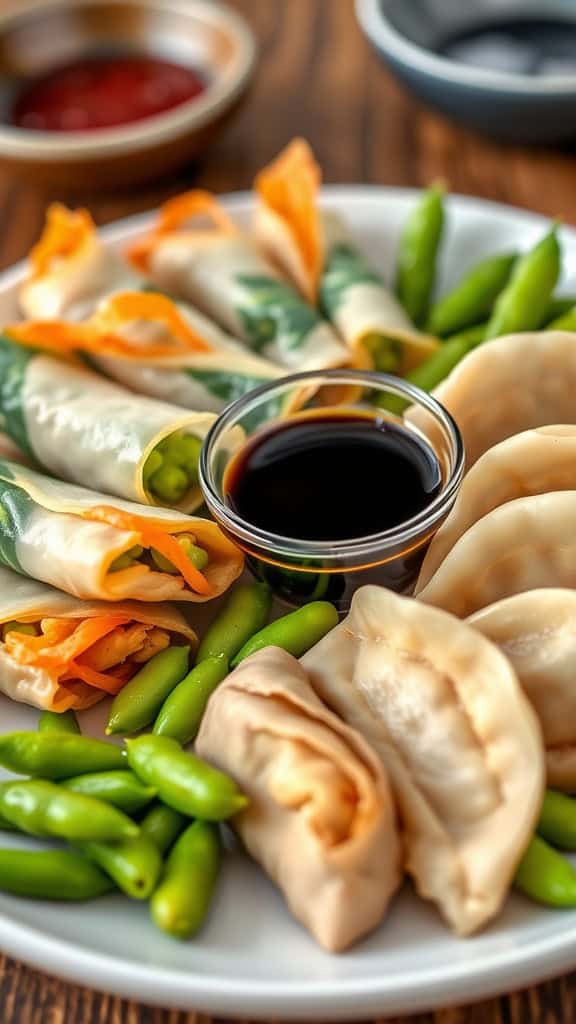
(173, 216)
(40, 651)
(64, 234)
(125, 307)
(109, 683)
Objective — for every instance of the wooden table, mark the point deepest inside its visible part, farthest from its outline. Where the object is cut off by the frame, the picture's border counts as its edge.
(317, 78)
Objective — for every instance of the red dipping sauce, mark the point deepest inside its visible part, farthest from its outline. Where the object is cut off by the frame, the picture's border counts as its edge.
(104, 92)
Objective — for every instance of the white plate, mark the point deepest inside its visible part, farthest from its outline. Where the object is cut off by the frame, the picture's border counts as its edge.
(252, 959)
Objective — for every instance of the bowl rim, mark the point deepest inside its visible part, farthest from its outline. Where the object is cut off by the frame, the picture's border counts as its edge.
(381, 33)
(158, 129)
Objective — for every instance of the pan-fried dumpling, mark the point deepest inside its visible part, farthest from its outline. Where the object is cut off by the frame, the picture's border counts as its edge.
(321, 820)
(443, 708)
(533, 462)
(537, 632)
(523, 545)
(508, 385)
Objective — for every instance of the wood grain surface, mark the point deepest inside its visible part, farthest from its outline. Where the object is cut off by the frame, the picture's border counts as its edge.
(317, 77)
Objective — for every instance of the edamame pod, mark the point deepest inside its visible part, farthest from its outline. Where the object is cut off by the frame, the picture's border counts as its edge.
(523, 303)
(7, 826)
(182, 900)
(295, 633)
(183, 781)
(163, 825)
(133, 864)
(52, 755)
(44, 809)
(566, 322)
(559, 306)
(122, 789)
(181, 713)
(546, 876)
(51, 875)
(418, 254)
(139, 701)
(51, 721)
(473, 298)
(557, 822)
(245, 612)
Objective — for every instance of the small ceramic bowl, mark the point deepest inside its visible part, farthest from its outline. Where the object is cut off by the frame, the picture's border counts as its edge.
(37, 36)
(509, 86)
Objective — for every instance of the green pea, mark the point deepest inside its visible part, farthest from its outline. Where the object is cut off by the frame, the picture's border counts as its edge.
(473, 298)
(44, 809)
(523, 304)
(295, 633)
(386, 352)
(244, 613)
(182, 900)
(151, 466)
(51, 755)
(51, 875)
(121, 789)
(183, 781)
(418, 254)
(169, 483)
(183, 450)
(66, 722)
(133, 864)
(139, 701)
(435, 369)
(127, 560)
(546, 876)
(197, 556)
(566, 322)
(181, 713)
(163, 825)
(557, 823)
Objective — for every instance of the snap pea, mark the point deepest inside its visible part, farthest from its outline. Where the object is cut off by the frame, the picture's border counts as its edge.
(557, 823)
(122, 789)
(53, 755)
(566, 322)
(522, 304)
(51, 875)
(295, 633)
(245, 612)
(473, 298)
(558, 306)
(163, 825)
(44, 809)
(7, 826)
(182, 711)
(139, 701)
(183, 781)
(546, 876)
(66, 722)
(133, 864)
(182, 900)
(418, 253)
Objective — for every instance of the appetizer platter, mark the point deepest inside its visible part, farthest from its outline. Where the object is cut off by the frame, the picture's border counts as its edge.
(399, 767)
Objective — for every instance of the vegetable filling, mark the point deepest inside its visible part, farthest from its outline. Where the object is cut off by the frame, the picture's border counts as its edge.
(171, 469)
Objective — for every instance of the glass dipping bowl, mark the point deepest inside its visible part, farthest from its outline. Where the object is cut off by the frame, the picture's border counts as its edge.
(298, 570)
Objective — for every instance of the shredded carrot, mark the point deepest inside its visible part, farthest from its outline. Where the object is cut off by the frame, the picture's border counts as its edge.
(45, 653)
(65, 232)
(173, 216)
(153, 537)
(125, 307)
(109, 683)
(289, 187)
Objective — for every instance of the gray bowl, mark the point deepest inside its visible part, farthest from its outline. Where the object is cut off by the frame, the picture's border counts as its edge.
(421, 42)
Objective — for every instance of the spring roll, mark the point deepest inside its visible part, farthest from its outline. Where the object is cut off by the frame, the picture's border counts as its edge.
(317, 251)
(221, 271)
(58, 653)
(100, 548)
(320, 820)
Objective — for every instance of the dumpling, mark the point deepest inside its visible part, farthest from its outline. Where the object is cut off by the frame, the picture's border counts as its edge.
(508, 385)
(533, 462)
(321, 820)
(443, 708)
(523, 545)
(537, 632)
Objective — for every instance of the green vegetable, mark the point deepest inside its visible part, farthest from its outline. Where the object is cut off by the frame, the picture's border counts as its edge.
(557, 823)
(546, 876)
(418, 254)
(26, 628)
(244, 613)
(171, 469)
(386, 352)
(66, 722)
(163, 825)
(295, 633)
(52, 755)
(51, 875)
(44, 809)
(182, 900)
(120, 788)
(197, 556)
(181, 713)
(7, 826)
(128, 559)
(169, 483)
(139, 701)
(133, 864)
(473, 298)
(183, 781)
(523, 304)
(558, 306)
(566, 322)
